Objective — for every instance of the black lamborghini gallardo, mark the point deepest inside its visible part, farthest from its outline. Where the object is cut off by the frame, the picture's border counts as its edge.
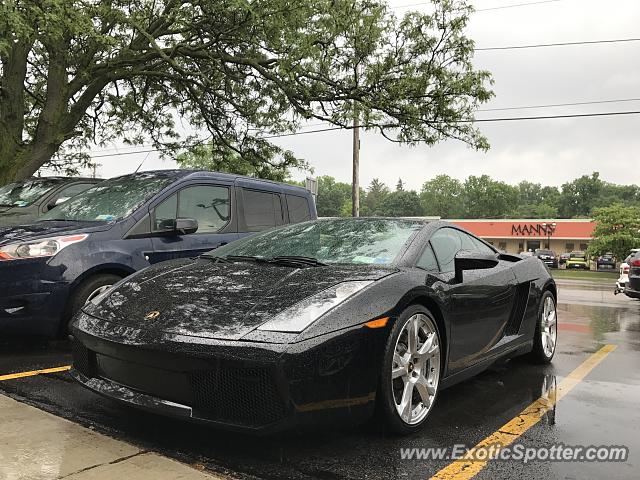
(324, 321)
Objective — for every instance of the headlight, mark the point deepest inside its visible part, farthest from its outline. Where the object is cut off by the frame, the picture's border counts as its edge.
(46, 247)
(301, 315)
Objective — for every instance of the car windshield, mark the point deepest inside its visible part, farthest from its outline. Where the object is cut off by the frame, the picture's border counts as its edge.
(110, 200)
(544, 252)
(23, 194)
(349, 241)
(577, 256)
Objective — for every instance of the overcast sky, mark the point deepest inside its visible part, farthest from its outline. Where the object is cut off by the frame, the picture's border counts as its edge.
(546, 151)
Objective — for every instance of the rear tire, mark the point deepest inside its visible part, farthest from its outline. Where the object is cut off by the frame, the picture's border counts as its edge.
(411, 369)
(545, 338)
(87, 290)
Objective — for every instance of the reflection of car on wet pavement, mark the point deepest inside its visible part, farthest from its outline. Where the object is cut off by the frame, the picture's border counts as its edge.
(23, 202)
(314, 323)
(632, 288)
(578, 260)
(548, 257)
(50, 268)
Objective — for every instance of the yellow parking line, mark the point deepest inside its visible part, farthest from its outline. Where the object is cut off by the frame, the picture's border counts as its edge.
(465, 469)
(13, 376)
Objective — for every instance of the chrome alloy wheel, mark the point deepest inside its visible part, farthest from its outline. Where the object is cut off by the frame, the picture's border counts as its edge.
(549, 326)
(98, 291)
(415, 371)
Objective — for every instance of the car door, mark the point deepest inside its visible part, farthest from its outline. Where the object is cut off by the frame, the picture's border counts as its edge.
(211, 204)
(480, 305)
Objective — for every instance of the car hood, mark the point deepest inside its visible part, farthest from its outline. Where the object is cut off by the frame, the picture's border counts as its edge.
(33, 231)
(217, 300)
(15, 216)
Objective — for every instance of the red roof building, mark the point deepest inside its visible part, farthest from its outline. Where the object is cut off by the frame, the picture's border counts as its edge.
(518, 235)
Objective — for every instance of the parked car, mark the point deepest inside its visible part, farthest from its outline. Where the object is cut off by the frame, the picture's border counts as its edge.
(606, 261)
(578, 260)
(632, 288)
(625, 273)
(622, 281)
(316, 323)
(548, 257)
(563, 258)
(49, 269)
(24, 202)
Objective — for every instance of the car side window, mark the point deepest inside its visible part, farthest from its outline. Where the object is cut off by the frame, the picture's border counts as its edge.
(471, 243)
(70, 191)
(446, 243)
(165, 214)
(262, 210)
(298, 209)
(208, 204)
(428, 259)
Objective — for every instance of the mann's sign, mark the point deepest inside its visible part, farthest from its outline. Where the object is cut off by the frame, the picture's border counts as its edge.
(531, 229)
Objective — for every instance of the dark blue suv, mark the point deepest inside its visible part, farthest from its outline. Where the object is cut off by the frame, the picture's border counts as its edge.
(50, 268)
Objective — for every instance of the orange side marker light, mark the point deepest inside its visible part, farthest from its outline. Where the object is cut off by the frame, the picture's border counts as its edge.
(377, 323)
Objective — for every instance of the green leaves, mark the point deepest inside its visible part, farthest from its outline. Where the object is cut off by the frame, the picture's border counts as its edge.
(235, 71)
(617, 230)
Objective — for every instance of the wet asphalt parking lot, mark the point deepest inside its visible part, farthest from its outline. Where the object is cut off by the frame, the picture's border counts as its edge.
(600, 409)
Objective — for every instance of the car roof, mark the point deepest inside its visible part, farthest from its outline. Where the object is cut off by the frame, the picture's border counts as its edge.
(206, 174)
(61, 179)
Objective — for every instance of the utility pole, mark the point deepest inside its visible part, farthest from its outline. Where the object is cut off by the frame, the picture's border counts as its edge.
(355, 185)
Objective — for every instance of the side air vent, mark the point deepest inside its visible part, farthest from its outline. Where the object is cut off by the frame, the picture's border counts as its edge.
(521, 298)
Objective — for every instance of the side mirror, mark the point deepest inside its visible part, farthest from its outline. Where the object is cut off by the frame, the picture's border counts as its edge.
(54, 203)
(186, 226)
(472, 260)
(179, 226)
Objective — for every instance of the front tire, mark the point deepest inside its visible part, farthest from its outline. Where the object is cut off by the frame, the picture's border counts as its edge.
(411, 369)
(546, 335)
(86, 291)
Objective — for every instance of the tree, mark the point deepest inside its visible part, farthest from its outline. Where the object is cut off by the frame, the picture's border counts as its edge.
(580, 196)
(399, 185)
(332, 197)
(75, 73)
(488, 198)
(374, 199)
(617, 230)
(442, 196)
(213, 157)
(402, 203)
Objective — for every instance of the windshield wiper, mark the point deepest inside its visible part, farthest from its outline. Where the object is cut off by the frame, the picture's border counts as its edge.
(214, 258)
(245, 258)
(297, 260)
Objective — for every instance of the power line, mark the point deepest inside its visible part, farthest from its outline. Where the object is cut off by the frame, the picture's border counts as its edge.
(560, 44)
(549, 105)
(525, 107)
(481, 9)
(477, 120)
(546, 117)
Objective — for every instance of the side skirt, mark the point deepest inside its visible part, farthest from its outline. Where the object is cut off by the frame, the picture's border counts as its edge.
(473, 370)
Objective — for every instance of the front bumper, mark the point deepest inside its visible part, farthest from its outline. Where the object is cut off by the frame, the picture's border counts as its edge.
(247, 386)
(32, 298)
